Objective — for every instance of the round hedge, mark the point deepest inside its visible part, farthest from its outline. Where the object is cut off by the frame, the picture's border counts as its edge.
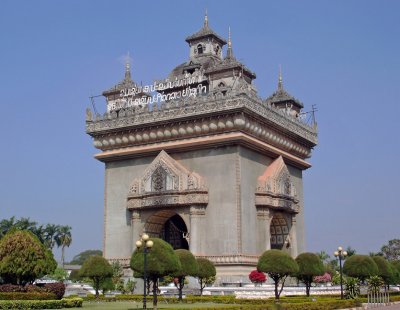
(309, 265)
(188, 262)
(384, 269)
(360, 266)
(277, 262)
(206, 268)
(161, 259)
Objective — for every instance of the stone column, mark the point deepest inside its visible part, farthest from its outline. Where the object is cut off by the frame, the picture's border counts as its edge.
(293, 237)
(196, 240)
(264, 218)
(136, 227)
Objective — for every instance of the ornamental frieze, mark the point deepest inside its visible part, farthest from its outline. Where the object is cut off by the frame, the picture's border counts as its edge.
(231, 259)
(205, 126)
(137, 116)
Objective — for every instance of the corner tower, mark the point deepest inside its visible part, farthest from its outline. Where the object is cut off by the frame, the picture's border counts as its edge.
(207, 165)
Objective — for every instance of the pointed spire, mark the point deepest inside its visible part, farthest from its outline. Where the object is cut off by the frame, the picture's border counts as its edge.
(128, 67)
(229, 52)
(206, 20)
(280, 84)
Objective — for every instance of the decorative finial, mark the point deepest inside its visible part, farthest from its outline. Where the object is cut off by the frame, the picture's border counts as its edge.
(127, 66)
(229, 52)
(280, 86)
(229, 38)
(206, 19)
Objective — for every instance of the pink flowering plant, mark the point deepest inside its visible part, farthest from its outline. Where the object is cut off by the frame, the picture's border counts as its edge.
(325, 278)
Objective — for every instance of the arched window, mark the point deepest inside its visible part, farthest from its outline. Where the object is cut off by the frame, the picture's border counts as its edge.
(199, 49)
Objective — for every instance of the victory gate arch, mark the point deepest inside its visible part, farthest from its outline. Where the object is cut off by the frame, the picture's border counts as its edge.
(201, 161)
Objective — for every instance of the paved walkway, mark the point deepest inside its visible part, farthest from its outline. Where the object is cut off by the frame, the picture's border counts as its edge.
(392, 307)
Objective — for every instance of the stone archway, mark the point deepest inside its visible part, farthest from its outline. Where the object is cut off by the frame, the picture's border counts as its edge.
(169, 226)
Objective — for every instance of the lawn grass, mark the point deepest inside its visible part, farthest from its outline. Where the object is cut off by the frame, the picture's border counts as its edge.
(131, 305)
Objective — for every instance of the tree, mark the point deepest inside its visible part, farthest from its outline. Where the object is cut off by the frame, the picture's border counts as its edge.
(189, 267)
(395, 266)
(75, 275)
(98, 269)
(257, 277)
(392, 250)
(310, 266)
(118, 272)
(23, 258)
(384, 269)
(51, 232)
(63, 239)
(206, 273)
(279, 265)
(161, 261)
(80, 258)
(350, 251)
(360, 266)
(59, 274)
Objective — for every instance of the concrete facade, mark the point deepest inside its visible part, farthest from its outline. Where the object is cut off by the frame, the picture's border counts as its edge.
(219, 172)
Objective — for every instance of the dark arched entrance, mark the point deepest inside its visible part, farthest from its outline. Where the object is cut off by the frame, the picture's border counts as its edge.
(170, 227)
(279, 230)
(174, 232)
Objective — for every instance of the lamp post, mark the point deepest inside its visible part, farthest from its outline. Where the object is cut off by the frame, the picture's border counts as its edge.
(342, 256)
(144, 240)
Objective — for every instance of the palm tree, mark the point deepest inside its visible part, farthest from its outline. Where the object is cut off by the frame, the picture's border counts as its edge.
(51, 235)
(40, 232)
(24, 223)
(6, 225)
(64, 239)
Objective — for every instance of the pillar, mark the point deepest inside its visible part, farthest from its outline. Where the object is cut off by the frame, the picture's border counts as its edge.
(264, 218)
(293, 237)
(197, 229)
(136, 227)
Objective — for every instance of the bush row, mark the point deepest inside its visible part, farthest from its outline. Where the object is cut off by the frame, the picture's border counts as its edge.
(41, 304)
(58, 289)
(321, 305)
(27, 296)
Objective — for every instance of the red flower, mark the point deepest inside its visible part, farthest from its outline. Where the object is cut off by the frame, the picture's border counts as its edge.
(257, 277)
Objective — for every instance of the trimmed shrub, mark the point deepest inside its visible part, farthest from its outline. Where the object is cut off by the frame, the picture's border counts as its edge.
(360, 266)
(11, 288)
(58, 289)
(26, 296)
(41, 304)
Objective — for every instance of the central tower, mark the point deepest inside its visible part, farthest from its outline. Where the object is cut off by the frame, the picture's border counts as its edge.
(200, 160)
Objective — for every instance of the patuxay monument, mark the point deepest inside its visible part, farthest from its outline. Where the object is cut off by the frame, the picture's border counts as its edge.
(201, 161)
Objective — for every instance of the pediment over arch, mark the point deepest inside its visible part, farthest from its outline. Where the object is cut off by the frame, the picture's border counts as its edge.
(275, 188)
(167, 182)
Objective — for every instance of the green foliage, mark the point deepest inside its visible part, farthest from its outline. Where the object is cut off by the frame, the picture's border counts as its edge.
(118, 272)
(374, 284)
(278, 265)
(350, 251)
(97, 269)
(360, 266)
(310, 265)
(106, 285)
(63, 239)
(23, 258)
(80, 258)
(130, 286)
(161, 260)
(384, 269)
(352, 290)
(392, 250)
(59, 274)
(42, 304)
(395, 266)
(206, 274)
(75, 275)
(188, 267)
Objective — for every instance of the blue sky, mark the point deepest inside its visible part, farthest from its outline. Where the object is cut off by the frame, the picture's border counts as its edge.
(342, 56)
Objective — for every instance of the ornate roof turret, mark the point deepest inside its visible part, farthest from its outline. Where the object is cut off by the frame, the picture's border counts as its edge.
(205, 32)
(127, 82)
(281, 98)
(229, 53)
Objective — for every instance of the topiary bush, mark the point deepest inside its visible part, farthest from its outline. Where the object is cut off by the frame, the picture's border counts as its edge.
(360, 266)
(279, 265)
(58, 289)
(26, 296)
